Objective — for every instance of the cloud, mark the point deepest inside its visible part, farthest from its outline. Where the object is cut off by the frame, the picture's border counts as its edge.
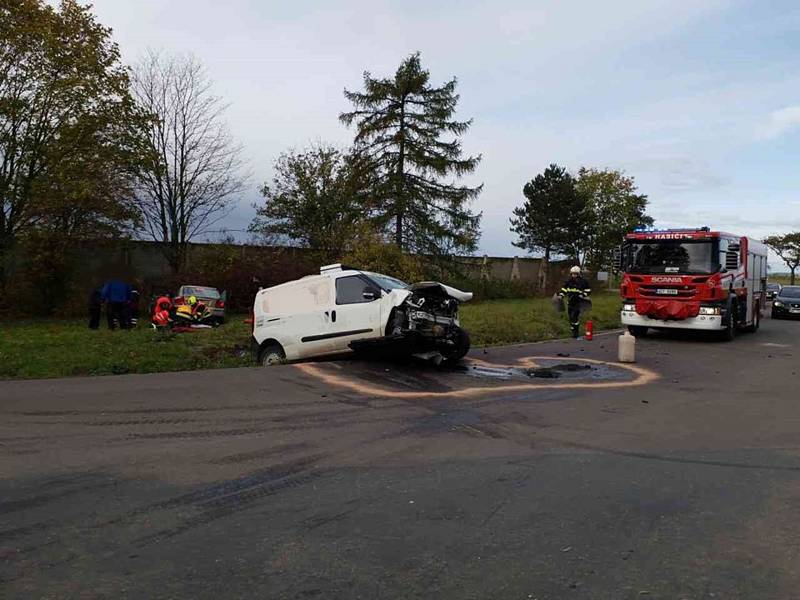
(678, 174)
(780, 121)
(672, 92)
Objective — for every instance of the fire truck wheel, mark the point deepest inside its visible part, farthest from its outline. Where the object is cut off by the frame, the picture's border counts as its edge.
(729, 333)
(756, 320)
(637, 330)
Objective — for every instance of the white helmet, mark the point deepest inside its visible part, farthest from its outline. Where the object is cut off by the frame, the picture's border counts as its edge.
(575, 269)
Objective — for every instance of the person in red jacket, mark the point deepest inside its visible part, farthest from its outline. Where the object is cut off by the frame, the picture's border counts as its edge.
(162, 312)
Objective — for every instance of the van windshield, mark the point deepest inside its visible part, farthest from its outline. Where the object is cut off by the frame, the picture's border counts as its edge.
(385, 282)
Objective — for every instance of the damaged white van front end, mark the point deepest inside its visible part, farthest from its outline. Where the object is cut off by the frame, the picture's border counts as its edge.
(344, 309)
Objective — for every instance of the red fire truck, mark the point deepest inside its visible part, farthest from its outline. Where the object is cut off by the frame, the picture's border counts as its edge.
(692, 279)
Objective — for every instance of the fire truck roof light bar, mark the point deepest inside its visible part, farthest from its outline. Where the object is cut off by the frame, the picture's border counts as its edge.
(653, 230)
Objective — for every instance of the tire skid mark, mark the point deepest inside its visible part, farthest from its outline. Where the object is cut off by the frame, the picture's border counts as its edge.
(8, 506)
(24, 530)
(171, 435)
(301, 426)
(259, 454)
(218, 509)
(176, 409)
(218, 490)
(178, 421)
(319, 520)
(671, 459)
(228, 497)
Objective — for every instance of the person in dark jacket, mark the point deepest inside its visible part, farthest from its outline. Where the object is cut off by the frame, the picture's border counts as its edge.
(117, 296)
(574, 289)
(95, 308)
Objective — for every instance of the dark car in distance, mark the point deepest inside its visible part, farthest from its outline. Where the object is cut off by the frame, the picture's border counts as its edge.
(773, 289)
(787, 302)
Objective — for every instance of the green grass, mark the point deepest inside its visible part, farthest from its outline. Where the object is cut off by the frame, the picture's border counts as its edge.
(32, 349)
(38, 349)
(783, 279)
(495, 322)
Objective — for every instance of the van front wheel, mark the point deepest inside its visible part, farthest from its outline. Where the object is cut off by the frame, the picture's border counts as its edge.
(272, 355)
(461, 348)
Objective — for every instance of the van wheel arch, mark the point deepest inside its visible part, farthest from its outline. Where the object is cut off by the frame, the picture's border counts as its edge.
(270, 352)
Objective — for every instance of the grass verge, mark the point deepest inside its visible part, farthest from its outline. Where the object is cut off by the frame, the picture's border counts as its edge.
(33, 349)
(517, 321)
(41, 349)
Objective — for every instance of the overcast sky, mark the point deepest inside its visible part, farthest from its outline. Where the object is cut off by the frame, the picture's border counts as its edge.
(698, 100)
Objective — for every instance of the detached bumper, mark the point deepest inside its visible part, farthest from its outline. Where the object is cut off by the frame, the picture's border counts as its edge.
(702, 322)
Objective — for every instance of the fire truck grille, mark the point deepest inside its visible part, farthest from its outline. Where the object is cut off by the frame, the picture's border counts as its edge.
(682, 291)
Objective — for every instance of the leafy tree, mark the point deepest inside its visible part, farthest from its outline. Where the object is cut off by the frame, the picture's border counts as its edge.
(369, 250)
(553, 218)
(787, 247)
(195, 168)
(613, 208)
(69, 130)
(400, 125)
(315, 199)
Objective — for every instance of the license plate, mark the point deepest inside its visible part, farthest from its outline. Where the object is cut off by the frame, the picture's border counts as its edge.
(667, 291)
(794, 310)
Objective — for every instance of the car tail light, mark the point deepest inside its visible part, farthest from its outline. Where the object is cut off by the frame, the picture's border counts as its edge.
(220, 303)
(252, 321)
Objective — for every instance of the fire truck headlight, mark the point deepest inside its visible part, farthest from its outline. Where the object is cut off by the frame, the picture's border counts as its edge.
(709, 310)
(628, 307)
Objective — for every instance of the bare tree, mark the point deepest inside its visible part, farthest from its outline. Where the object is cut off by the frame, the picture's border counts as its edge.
(196, 169)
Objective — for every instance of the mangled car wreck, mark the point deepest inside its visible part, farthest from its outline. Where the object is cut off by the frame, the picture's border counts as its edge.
(345, 309)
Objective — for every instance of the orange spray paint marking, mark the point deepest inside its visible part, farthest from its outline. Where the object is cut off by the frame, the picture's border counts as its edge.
(643, 377)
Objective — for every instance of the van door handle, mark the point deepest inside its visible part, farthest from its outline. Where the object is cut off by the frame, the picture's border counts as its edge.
(333, 316)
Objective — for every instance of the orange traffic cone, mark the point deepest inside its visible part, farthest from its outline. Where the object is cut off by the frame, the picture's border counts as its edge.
(589, 331)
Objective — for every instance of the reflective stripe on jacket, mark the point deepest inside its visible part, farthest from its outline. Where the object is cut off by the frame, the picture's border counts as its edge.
(575, 287)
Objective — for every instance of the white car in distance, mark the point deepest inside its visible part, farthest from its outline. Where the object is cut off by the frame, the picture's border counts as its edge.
(344, 309)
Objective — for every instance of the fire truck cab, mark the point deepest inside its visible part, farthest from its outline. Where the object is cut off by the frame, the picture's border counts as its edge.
(692, 279)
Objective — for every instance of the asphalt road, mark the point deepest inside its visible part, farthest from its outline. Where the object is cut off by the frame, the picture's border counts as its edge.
(680, 479)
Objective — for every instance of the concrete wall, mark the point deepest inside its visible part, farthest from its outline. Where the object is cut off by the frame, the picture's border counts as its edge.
(241, 270)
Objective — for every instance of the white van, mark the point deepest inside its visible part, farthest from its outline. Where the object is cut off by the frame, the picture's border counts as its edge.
(344, 309)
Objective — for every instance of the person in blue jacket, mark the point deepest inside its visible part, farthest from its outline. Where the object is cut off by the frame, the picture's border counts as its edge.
(117, 296)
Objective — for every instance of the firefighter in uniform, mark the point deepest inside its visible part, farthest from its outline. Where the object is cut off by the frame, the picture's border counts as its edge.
(575, 288)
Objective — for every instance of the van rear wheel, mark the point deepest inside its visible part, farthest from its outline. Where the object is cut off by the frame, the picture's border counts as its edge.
(272, 355)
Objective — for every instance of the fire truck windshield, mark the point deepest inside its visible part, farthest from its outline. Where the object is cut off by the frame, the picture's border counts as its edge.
(672, 256)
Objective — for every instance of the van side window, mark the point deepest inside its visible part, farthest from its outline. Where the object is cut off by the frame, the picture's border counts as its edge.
(350, 290)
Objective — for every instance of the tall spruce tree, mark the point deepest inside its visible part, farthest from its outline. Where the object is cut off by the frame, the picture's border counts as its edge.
(400, 125)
